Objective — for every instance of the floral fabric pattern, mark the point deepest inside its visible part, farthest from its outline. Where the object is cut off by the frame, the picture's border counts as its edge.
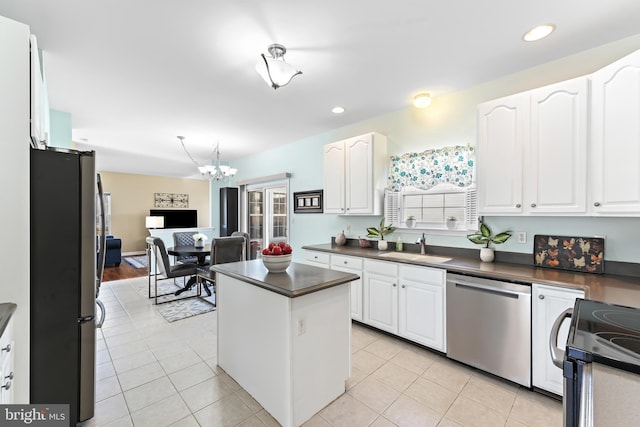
(453, 165)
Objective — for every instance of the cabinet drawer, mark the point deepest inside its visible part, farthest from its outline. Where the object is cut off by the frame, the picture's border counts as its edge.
(423, 274)
(381, 267)
(346, 262)
(319, 257)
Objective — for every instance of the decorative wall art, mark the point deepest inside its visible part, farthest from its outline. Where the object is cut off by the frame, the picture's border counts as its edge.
(584, 254)
(171, 200)
(307, 202)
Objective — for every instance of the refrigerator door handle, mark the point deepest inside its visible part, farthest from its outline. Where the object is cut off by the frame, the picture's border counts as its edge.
(102, 313)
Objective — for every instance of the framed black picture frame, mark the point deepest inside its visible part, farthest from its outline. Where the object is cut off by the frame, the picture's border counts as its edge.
(307, 202)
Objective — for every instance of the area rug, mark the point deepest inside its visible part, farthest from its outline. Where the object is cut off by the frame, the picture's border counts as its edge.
(176, 307)
(137, 261)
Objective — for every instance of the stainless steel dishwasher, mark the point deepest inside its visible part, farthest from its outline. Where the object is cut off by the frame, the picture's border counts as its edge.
(489, 326)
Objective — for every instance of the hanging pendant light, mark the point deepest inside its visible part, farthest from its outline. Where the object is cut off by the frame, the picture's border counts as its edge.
(215, 172)
(274, 70)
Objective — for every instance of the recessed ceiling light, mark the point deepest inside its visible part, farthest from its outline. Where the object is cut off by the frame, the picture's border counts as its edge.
(422, 100)
(539, 32)
(337, 110)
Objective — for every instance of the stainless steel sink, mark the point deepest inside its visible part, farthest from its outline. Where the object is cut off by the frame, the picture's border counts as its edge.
(432, 259)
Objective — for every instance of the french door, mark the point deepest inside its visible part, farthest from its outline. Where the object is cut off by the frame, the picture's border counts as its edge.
(266, 212)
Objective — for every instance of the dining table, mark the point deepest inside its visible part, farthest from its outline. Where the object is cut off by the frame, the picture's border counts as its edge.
(200, 253)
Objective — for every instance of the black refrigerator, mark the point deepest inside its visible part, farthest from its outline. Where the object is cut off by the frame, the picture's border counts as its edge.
(63, 280)
(228, 210)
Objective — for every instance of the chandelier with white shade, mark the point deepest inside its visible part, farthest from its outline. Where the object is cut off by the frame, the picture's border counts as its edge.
(215, 172)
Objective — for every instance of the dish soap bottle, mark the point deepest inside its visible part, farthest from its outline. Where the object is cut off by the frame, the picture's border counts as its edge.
(399, 244)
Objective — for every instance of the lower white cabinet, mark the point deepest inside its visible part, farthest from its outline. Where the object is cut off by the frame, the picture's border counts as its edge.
(349, 264)
(421, 309)
(6, 365)
(317, 258)
(548, 303)
(381, 295)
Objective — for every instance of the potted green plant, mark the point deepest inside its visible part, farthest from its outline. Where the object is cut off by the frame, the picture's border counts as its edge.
(380, 232)
(485, 237)
(411, 221)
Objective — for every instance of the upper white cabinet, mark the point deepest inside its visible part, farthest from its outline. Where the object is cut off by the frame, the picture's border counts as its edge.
(548, 302)
(532, 151)
(556, 166)
(355, 175)
(502, 129)
(615, 140)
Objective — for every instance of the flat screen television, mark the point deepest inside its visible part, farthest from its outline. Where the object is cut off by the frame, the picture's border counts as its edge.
(177, 218)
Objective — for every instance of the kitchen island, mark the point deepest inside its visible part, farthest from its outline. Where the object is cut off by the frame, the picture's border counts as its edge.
(285, 337)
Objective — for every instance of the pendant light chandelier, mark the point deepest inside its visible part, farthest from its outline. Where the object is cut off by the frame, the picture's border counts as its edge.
(215, 172)
(274, 70)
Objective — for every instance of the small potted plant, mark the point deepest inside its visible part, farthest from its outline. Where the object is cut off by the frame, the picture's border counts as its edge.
(485, 237)
(373, 232)
(411, 221)
(198, 240)
(451, 222)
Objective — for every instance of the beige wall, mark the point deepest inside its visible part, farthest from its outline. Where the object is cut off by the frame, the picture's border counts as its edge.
(132, 196)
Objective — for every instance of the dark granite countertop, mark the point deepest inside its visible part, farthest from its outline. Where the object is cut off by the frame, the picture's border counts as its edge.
(612, 289)
(297, 280)
(6, 311)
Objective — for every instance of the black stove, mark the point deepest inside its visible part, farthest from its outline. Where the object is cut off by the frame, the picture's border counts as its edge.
(605, 333)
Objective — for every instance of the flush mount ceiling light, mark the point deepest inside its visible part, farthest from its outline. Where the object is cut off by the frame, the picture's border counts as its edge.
(215, 172)
(422, 100)
(539, 32)
(274, 70)
(337, 110)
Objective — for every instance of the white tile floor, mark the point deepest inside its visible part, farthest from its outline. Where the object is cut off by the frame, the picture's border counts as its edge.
(154, 373)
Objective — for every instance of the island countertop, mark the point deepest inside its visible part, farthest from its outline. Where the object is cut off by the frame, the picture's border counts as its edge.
(298, 279)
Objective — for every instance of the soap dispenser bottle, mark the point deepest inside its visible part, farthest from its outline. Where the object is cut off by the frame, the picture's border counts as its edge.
(399, 244)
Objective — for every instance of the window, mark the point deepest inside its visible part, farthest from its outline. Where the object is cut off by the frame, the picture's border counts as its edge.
(265, 212)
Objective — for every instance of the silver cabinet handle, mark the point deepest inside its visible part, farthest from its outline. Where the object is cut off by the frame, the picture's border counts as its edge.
(10, 376)
(518, 205)
(557, 355)
(533, 205)
(7, 385)
(394, 285)
(404, 286)
(541, 296)
(345, 263)
(596, 204)
(7, 348)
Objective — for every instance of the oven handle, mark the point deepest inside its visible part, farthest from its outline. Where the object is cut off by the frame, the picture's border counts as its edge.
(557, 354)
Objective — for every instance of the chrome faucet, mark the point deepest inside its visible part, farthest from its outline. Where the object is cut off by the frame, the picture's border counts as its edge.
(422, 242)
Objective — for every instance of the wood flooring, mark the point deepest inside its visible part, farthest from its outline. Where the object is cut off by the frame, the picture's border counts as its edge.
(123, 271)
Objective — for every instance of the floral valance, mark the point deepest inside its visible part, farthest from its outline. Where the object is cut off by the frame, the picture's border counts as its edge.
(453, 165)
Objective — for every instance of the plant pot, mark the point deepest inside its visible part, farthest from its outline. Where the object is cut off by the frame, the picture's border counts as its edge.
(199, 243)
(382, 245)
(487, 254)
(411, 223)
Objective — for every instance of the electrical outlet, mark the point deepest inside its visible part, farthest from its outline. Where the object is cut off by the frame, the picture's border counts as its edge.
(301, 329)
(522, 237)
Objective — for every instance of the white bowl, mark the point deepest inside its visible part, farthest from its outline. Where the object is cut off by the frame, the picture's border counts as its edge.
(276, 263)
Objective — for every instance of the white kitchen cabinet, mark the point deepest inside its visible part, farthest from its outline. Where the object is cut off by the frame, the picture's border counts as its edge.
(355, 175)
(615, 138)
(532, 151)
(349, 264)
(317, 258)
(380, 295)
(548, 302)
(502, 130)
(421, 307)
(6, 365)
(556, 165)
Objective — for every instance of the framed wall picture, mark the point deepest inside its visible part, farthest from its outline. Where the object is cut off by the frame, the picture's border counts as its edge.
(171, 200)
(307, 202)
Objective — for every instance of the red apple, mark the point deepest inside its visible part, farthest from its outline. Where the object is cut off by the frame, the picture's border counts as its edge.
(266, 251)
(277, 250)
(282, 244)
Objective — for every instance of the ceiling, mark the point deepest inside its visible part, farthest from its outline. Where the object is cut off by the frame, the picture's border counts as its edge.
(135, 74)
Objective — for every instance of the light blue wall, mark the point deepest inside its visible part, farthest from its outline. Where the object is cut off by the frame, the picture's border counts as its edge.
(60, 128)
(450, 120)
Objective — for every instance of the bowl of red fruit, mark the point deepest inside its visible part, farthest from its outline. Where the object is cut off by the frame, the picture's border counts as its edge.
(277, 256)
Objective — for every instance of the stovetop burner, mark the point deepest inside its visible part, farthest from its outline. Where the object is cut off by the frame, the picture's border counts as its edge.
(623, 319)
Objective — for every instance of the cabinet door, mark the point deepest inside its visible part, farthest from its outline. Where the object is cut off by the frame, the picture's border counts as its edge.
(353, 265)
(556, 168)
(381, 302)
(359, 175)
(502, 129)
(334, 178)
(615, 138)
(548, 302)
(317, 258)
(421, 313)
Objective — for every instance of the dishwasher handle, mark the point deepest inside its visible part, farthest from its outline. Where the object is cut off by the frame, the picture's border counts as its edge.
(557, 354)
(490, 289)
